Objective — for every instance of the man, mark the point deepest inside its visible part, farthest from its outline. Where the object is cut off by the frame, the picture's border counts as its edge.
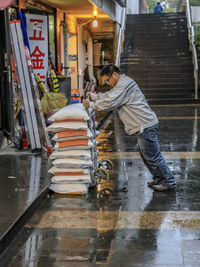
(138, 118)
(158, 8)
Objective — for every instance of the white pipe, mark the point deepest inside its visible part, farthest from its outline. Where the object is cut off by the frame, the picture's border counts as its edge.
(194, 52)
(117, 61)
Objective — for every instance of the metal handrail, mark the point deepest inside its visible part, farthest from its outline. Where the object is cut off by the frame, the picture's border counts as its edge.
(192, 46)
(117, 60)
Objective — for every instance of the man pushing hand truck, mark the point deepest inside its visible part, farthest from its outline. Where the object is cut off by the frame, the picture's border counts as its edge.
(138, 118)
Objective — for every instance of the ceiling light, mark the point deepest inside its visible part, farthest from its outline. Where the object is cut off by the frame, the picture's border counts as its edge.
(95, 12)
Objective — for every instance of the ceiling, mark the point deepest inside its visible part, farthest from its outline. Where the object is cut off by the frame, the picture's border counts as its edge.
(83, 11)
(77, 8)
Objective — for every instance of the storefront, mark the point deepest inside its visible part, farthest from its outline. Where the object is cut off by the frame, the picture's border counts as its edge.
(73, 40)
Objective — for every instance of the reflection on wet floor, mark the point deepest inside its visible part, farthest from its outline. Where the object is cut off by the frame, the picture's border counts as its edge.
(115, 227)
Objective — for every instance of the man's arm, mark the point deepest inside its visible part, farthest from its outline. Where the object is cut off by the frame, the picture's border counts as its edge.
(98, 96)
(110, 101)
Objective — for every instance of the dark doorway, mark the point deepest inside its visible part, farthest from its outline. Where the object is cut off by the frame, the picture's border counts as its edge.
(6, 107)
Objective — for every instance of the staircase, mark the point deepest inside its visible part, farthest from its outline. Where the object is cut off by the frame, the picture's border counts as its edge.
(156, 55)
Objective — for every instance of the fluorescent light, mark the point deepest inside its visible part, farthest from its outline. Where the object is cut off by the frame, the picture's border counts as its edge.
(95, 23)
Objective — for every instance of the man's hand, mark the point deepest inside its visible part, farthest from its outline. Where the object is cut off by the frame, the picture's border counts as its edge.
(89, 95)
(86, 103)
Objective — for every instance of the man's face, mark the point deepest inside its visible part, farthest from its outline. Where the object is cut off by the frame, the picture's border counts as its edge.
(111, 79)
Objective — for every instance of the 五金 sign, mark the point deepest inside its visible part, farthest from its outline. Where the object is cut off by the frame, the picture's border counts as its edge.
(38, 40)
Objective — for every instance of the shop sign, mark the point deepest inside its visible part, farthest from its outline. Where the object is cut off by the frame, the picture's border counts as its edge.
(38, 40)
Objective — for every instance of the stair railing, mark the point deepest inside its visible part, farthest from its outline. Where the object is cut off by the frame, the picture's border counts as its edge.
(120, 37)
(192, 46)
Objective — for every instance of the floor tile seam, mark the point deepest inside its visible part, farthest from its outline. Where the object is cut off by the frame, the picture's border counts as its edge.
(118, 228)
(178, 117)
(136, 155)
(121, 211)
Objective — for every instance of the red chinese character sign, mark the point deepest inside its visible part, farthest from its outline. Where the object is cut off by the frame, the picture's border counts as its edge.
(38, 41)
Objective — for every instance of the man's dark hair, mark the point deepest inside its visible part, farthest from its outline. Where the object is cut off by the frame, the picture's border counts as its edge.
(109, 69)
(158, 3)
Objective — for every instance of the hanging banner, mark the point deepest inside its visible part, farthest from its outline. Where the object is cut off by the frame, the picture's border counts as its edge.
(38, 41)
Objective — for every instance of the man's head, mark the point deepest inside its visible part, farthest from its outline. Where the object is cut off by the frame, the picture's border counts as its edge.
(158, 3)
(110, 74)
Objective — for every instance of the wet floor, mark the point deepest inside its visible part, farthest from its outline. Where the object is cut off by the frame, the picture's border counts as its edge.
(110, 227)
(23, 176)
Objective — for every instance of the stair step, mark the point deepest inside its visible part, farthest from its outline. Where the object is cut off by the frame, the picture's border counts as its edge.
(142, 53)
(159, 37)
(160, 75)
(134, 48)
(165, 85)
(156, 26)
(156, 45)
(154, 38)
(157, 23)
(175, 67)
(156, 17)
(174, 80)
(156, 64)
(152, 45)
(154, 56)
(171, 101)
(180, 57)
(160, 29)
(168, 14)
(161, 91)
(157, 74)
(168, 96)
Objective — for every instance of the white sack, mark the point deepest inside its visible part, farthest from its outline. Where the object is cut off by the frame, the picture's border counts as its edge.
(72, 163)
(83, 179)
(87, 136)
(79, 147)
(74, 111)
(55, 170)
(63, 126)
(69, 188)
(77, 154)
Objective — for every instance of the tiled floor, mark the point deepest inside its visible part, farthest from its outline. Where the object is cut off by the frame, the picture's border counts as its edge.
(109, 227)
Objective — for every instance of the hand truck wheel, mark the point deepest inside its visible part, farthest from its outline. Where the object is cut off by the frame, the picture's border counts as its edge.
(106, 164)
(101, 176)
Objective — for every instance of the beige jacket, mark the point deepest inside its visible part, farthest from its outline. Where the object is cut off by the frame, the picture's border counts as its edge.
(129, 101)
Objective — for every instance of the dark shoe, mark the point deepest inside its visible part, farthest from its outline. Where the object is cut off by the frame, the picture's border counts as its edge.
(155, 181)
(162, 187)
(123, 189)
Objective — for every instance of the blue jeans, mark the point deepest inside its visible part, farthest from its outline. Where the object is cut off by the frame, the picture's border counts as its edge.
(149, 149)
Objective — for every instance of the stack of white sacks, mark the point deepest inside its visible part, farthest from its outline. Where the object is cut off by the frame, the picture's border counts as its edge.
(71, 157)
